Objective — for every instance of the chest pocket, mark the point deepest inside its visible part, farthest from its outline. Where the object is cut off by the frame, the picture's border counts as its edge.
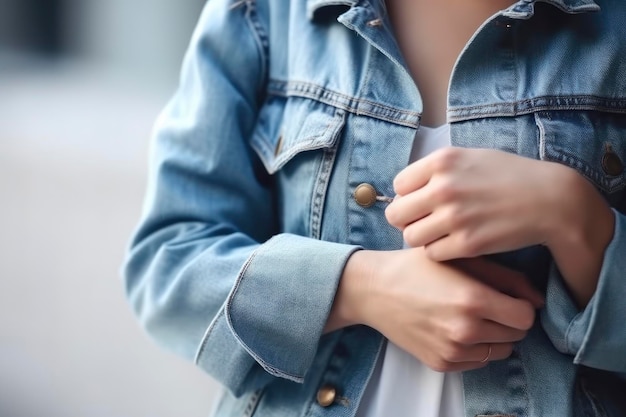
(593, 143)
(296, 139)
(287, 127)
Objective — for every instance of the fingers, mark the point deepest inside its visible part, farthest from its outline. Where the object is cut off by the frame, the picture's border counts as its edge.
(428, 230)
(471, 332)
(465, 358)
(418, 174)
(503, 279)
(481, 301)
(483, 352)
(413, 177)
(408, 208)
(495, 351)
(508, 311)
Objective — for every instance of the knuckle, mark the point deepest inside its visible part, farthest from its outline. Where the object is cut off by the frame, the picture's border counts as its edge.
(440, 365)
(446, 158)
(444, 190)
(453, 353)
(433, 253)
(456, 216)
(468, 301)
(463, 331)
(472, 246)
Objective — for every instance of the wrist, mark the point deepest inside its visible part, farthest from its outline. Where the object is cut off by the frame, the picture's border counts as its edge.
(578, 218)
(353, 292)
(581, 227)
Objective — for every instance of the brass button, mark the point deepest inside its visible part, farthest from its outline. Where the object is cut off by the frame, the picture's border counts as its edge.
(326, 395)
(611, 164)
(365, 195)
(279, 145)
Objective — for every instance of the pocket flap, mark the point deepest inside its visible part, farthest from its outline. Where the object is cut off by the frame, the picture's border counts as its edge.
(593, 143)
(287, 127)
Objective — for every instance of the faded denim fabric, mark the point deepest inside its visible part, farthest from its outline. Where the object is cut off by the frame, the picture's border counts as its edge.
(283, 109)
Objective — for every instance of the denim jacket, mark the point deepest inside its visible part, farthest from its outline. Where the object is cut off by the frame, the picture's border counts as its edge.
(285, 108)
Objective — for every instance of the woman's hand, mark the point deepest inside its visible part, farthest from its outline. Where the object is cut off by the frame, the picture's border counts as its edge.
(451, 316)
(462, 203)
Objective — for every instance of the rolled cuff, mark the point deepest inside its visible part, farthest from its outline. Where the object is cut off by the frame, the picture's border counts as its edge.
(595, 336)
(279, 305)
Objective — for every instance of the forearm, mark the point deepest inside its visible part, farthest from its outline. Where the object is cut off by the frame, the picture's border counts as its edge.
(579, 233)
(354, 285)
(594, 335)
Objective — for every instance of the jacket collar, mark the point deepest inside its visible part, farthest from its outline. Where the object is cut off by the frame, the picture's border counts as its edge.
(315, 7)
(523, 8)
(572, 6)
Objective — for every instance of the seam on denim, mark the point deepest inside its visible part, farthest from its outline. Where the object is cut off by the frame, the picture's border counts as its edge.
(309, 143)
(537, 104)
(291, 86)
(383, 342)
(207, 335)
(514, 58)
(526, 395)
(253, 402)
(521, 409)
(265, 148)
(267, 366)
(260, 36)
(368, 71)
(589, 172)
(568, 339)
(542, 137)
(342, 101)
(317, 202)
(349, 197)
(574, 161)
(323, 180)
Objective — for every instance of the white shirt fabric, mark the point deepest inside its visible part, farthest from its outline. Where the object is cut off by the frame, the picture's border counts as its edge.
(401, 385)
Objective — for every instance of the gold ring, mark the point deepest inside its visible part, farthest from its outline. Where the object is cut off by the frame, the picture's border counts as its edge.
(486, 358)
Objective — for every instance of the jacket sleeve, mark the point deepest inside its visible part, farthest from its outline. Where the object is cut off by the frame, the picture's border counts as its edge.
(208, 273)
(595, 336)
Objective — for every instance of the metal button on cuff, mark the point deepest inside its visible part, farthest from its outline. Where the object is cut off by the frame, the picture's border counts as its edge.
(365, 195)
(326, 395)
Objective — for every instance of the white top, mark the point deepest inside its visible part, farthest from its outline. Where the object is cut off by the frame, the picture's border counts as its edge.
(401, 385)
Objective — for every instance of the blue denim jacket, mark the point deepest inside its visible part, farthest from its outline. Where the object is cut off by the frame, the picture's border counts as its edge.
(284, 108)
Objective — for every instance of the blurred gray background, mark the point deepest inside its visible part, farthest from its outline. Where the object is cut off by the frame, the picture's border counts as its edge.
(81, 82)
